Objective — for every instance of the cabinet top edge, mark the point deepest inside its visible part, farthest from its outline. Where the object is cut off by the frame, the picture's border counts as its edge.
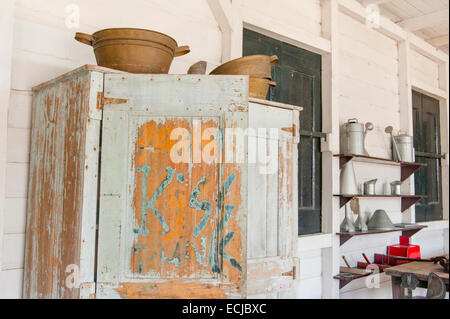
(86, 67)
(275, 104)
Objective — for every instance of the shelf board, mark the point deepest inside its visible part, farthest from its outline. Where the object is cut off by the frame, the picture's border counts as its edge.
(406, 168)
(407, 200)
(406, 231)
(346, 275)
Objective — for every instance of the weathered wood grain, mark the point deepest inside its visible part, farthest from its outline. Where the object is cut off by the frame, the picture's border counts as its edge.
(62, 186)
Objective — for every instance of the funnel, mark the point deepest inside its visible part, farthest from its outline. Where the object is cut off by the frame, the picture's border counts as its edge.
(380, 221)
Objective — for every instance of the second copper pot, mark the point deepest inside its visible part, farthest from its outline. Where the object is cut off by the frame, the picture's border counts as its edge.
(255, 66)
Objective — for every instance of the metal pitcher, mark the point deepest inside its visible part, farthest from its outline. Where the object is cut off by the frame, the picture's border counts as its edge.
(405, 146)
(369, 187)
(348, 180)
(353, 137)
(396, 188)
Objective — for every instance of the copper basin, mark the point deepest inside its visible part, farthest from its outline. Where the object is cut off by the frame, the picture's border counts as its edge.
(133, 50)
(255, 66)
(259, 87)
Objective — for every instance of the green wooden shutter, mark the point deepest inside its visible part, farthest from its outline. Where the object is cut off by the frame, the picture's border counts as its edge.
(298, 78)
(428, 147)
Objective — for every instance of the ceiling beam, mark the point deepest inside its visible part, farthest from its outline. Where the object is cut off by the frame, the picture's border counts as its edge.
(424, 21)
(439, 41)
(365, 3)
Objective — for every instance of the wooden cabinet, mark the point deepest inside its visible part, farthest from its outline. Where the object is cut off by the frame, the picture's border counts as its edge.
(143, 186)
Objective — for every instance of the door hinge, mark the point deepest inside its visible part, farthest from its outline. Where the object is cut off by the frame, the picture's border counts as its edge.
(291, 130)
(102, 100)
(292, 273)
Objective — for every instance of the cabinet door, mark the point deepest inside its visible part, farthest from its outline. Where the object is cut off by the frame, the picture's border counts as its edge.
(171, 227)
(272, 221)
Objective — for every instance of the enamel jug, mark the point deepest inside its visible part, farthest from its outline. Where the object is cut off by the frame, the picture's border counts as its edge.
(353, 137)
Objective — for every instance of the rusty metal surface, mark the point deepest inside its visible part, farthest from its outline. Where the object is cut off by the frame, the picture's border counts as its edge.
(61, 131)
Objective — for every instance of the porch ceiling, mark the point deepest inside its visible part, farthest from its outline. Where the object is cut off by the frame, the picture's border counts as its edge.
(427, 19)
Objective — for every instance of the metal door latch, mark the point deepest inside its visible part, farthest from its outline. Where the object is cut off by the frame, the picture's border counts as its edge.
(291, 273)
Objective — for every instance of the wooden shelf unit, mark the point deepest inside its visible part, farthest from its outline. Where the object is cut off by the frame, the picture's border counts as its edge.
(407, 200)
(406, 168)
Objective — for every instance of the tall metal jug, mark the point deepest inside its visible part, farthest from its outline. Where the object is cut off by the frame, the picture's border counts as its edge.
(353, 136)
(348, 180)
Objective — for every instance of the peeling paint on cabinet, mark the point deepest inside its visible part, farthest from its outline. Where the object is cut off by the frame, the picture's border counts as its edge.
(62, 195)
(111, 214)
(178, 229)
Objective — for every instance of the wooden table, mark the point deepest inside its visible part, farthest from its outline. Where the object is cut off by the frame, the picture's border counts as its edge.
(418, 268)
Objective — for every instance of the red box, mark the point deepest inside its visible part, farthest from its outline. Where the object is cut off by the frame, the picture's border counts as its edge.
(404, 249)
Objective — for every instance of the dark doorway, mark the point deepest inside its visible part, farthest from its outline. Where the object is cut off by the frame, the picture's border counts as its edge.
(427, 145)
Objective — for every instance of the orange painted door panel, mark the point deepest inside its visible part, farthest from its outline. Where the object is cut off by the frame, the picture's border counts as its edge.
(172, 215)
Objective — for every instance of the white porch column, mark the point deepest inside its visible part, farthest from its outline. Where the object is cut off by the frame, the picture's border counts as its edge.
(227, 15)
(330, 164)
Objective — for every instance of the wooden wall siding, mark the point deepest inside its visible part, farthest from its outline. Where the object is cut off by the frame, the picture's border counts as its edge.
(56, 203)
(368, 86)
(424, 70)
(298, 16)
(171, 230)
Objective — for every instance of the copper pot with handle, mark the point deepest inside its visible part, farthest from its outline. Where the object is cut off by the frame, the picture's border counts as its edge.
(255, 66)
(133, 50)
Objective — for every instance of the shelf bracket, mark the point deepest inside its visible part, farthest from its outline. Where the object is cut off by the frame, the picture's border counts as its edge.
(344, 238)
(406, 170)
(410, 232)
(344, 160)
(407, 202)
(344, 200)
(344, 282)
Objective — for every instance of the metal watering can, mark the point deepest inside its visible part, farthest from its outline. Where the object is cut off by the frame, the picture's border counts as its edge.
(353, 137)
(405, 146)
(402, 146)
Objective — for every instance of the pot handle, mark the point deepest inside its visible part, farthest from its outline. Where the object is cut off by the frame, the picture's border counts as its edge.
(84, 38)
(272, 83)
(184, 49)
(273, 60)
